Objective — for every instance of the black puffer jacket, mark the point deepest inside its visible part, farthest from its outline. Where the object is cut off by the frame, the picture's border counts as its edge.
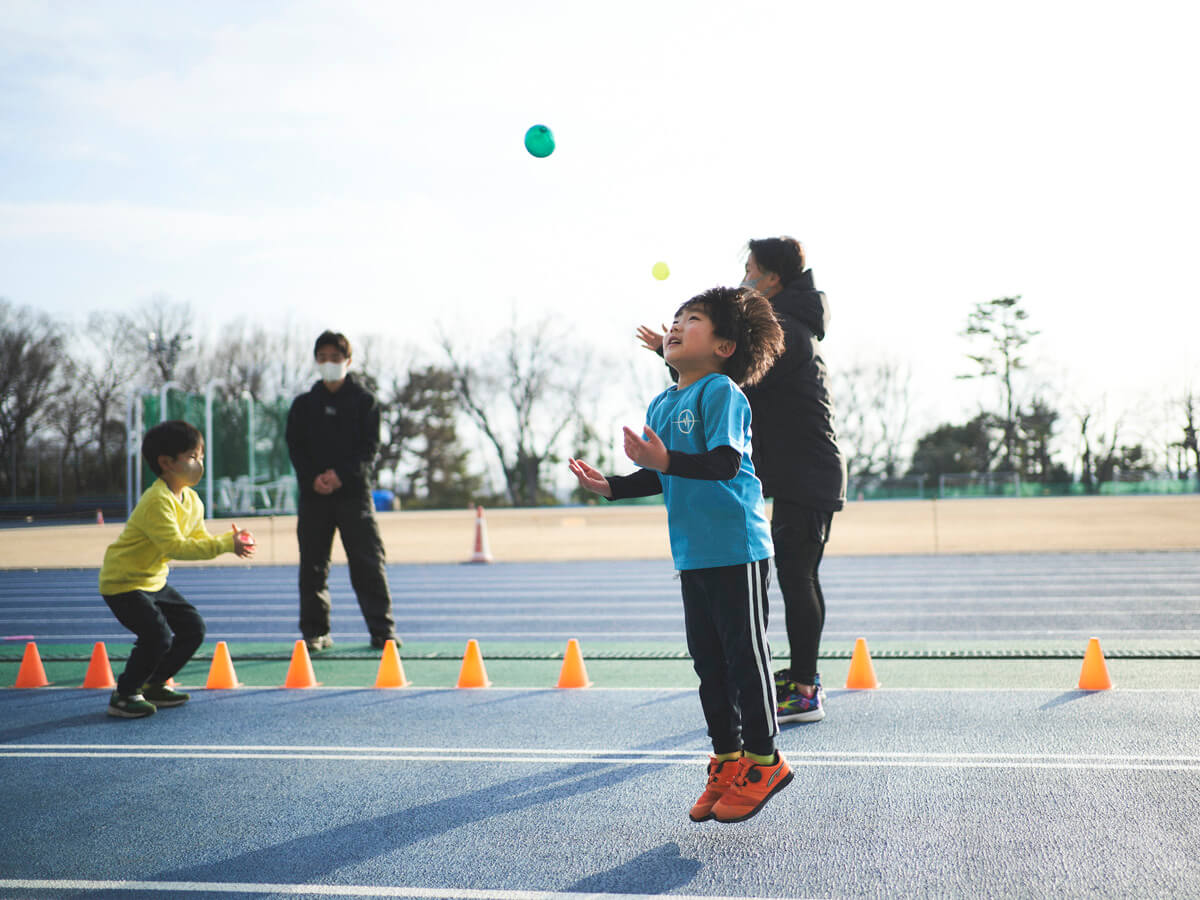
(338, 431)
(796, 453)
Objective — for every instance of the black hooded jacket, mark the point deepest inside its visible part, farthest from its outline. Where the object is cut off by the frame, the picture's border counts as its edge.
(338, 431)
(796, 453)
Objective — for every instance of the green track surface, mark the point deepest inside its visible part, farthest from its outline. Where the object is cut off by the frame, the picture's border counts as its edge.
(1144, 664)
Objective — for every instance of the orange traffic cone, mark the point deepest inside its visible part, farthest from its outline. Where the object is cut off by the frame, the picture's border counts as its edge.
(99, 673)
(573, 674)
(31, 674)
(221, 676)
(300, 671)
(1094, 674)
(391, 672)
(472, 674)
(861, 676)
(483, 553)
(99, 517)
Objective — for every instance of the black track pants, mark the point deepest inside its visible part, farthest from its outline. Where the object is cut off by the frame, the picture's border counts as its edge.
(352, 515)
(168, 628)
(725, 611)
(799, 534)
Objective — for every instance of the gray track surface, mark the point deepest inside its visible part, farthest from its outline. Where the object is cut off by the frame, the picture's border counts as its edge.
(542, 794)
(931, 600)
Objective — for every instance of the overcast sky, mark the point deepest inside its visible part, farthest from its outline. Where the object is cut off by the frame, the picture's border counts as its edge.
(360, 165)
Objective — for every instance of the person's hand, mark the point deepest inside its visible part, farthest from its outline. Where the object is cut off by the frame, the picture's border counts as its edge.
(321, 484)
(650, 338)
(648, 452)
(331, 479)
(243, 543)
(590, 478)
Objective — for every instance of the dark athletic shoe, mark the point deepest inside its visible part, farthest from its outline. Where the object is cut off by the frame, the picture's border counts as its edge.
(161, 695)
(131, 706)
(752, 787)
(318, 643)
(380, 641)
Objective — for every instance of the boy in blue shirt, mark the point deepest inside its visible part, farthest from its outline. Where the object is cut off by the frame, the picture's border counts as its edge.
(695, 450)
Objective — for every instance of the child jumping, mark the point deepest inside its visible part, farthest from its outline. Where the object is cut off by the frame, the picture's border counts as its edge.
(167, 523)
(695, 450)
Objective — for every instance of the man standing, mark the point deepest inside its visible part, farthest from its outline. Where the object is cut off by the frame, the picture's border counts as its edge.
(332, 438)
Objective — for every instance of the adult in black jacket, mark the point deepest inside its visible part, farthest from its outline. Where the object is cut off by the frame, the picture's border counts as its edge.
(796, 456)
(332, 438)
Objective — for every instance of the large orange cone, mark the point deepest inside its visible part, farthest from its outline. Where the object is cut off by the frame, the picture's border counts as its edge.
(99, 673)
(861, 676)
(483, 553)
(221, 676)
(472, 674)
(391, 671)
(573, 674)
(300, 671)
(31, 674)
(1094, 674)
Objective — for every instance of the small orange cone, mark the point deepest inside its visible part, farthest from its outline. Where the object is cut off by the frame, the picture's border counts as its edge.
(1094, 674)
(31, 674)
(483, 553)
(300, 671)
(221, 676)
(99, 673)
(99, 517)
(472, 674)
(391, 672)
(573, 674)
(861, 676)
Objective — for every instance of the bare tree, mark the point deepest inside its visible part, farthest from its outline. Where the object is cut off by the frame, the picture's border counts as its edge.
(164, 328)
(31, 349)
(107, 364)
(874, 407)
(522, 396)
(1000, 324)
(1189, 443)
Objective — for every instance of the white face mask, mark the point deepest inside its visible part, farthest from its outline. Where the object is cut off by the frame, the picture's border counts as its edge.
(331, 371)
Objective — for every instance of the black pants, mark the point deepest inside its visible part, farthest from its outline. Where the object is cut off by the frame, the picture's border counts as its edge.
(725, 612)
(351, 513)
(168, 628)
(800, 534)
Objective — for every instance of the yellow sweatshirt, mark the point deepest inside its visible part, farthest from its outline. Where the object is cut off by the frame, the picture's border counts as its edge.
(162, 527)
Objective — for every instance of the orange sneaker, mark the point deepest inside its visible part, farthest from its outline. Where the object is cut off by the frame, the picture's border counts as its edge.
(720, 778)
(753, 785)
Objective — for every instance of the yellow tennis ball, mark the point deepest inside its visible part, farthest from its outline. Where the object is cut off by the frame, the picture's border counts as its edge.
(660, 271)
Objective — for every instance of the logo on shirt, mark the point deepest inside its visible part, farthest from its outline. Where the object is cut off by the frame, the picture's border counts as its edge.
(331, 410)
(685, 422)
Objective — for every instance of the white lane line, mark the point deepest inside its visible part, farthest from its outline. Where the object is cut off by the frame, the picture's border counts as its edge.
(570, 756)
(321, 890)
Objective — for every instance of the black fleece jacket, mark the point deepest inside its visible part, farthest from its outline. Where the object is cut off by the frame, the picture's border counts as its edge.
(796, 454)
(338, 430)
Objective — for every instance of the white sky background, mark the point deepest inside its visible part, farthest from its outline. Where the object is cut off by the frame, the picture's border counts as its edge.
(361, 166)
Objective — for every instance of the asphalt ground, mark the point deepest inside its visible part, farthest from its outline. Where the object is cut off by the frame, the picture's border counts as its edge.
(978, 769)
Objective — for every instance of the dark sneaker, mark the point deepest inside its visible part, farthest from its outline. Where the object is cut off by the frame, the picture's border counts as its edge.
(720, 777)
(318, 643)
(753, 785)
(380, 641)
(130, 706)
(795, 707)
(161, 695)
(783, 682)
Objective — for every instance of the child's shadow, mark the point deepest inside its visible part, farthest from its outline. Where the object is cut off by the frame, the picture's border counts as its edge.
(653, 872)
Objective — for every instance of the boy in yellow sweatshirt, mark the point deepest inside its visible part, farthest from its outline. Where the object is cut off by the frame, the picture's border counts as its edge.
(167, 523)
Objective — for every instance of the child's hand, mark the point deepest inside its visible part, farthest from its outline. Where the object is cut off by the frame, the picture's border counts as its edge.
(650, 338)
(590, 478)
(650, 452)
(243, 543)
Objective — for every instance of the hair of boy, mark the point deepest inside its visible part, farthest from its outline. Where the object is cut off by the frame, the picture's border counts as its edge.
(169, 438)
(744, 316)
(333, 339)
(782, 255)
